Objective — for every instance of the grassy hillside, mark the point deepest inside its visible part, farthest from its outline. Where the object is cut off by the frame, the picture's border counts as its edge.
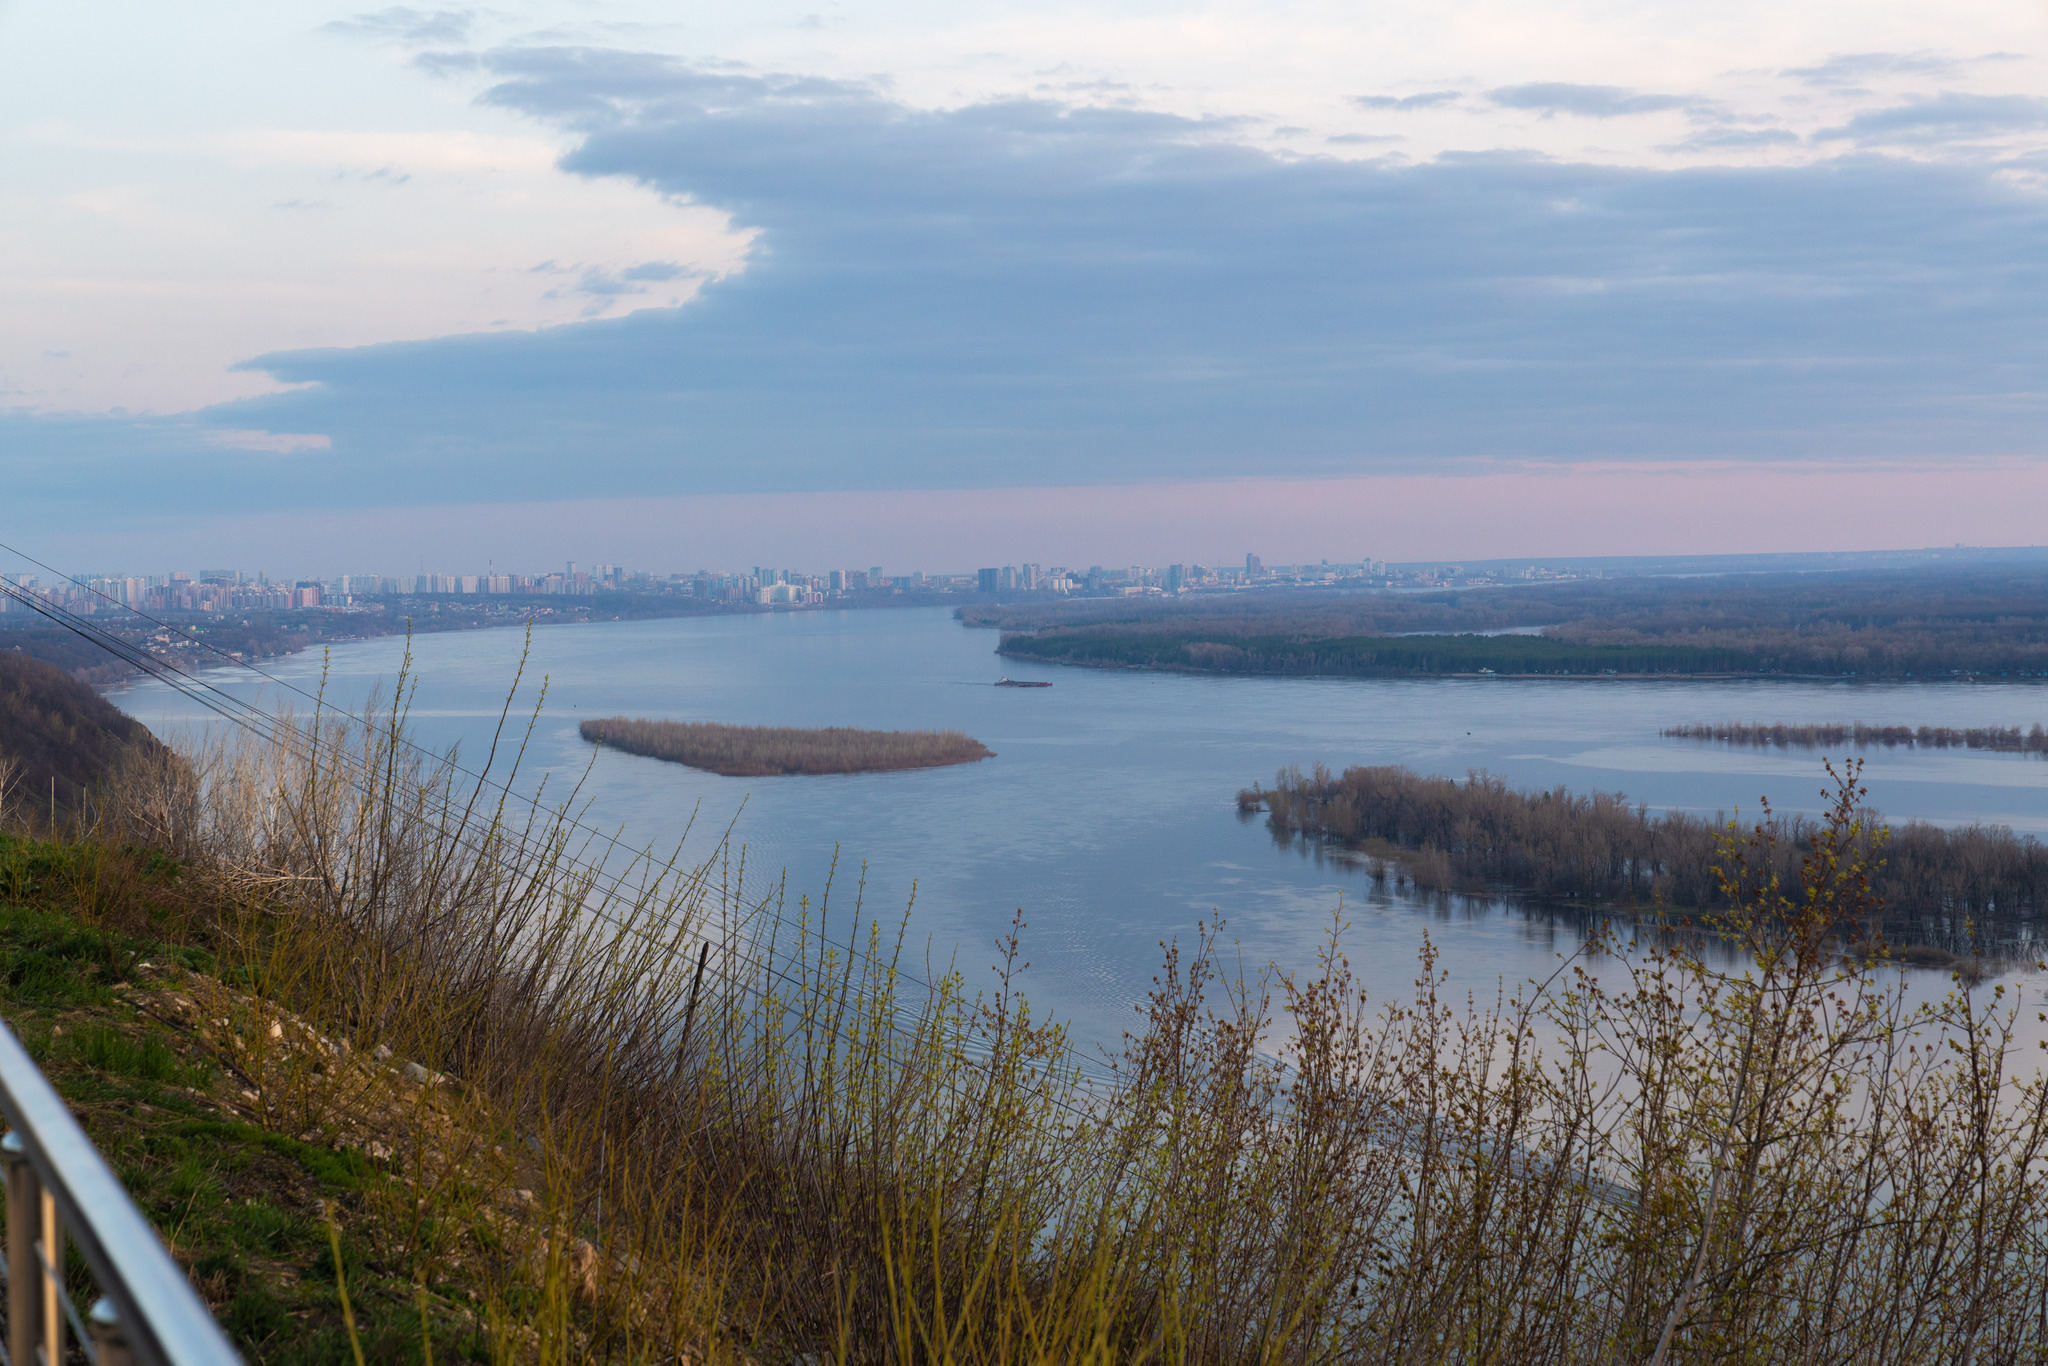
(153, 1051)
(53, 726)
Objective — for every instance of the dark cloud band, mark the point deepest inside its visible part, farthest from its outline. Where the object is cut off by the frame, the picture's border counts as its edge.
(1035, 292)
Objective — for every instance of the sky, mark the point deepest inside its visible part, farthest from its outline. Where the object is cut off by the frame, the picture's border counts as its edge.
(317, 288)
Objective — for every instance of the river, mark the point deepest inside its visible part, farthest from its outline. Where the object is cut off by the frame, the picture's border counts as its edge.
(1108, 813)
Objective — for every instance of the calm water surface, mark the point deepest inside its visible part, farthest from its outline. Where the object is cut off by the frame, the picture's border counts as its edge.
(1108, 813)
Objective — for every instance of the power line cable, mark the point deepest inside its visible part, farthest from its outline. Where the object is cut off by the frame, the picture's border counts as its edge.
(272, 729)
(251, 718)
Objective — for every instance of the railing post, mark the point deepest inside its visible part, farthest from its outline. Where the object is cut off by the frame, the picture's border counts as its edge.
(110, 1344)
(35, 1326)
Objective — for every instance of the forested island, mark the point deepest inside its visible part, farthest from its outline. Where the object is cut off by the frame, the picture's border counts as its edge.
(1939, 886)
(1894, 625)
(763, 751)
(2003, 739)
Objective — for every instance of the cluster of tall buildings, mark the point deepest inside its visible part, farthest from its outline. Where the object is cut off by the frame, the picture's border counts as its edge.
(212, 590)
(1173, 578)
(226, 590)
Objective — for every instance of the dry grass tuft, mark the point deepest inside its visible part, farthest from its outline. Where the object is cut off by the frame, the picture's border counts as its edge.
(759, 751)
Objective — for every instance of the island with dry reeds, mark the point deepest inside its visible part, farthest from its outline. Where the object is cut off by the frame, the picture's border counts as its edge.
(761, 751)
(2005, 739)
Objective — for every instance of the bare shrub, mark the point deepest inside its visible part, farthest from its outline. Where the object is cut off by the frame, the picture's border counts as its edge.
(10, 778)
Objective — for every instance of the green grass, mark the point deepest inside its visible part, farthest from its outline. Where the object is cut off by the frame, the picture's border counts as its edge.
(237, 1202)
(147, 1057)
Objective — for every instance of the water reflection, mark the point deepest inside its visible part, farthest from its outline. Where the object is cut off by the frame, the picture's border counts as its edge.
(1108, 814)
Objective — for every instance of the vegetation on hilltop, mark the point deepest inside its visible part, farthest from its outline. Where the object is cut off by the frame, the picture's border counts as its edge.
(55, 729)
(128, 1029)
(1936, 886)
(755, 751)
(749, 1135)
(1889, 625)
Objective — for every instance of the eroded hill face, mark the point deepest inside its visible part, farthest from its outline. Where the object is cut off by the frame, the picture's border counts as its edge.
(53, 726)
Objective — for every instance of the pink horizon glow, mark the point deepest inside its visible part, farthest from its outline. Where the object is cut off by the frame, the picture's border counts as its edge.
(1557, 512)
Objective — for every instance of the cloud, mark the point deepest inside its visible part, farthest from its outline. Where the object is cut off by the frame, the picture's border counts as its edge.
(1854, 68)
(658, 270)
(1037, 292)
(1586, 101)
(1947, 117)
(1725, 139)
(413, 27)
(632, 280)
(1425, 101)
(278, 443)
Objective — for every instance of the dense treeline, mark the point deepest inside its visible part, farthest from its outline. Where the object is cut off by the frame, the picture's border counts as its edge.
(2006, 739)
(52, 726)
(1366, 656)
(1884, 625)
(759, 751)
(1599, 847)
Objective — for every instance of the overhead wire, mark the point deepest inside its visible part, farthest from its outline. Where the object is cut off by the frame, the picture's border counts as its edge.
(250, 717)
(275, 730)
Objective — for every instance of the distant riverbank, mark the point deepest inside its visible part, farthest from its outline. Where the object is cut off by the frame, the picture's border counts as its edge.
(1407, 656)
(196, 641)
(1938, 625)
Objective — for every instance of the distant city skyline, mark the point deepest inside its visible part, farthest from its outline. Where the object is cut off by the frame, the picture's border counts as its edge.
(229, 589)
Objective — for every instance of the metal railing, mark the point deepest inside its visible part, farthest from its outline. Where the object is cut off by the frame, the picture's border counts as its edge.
(58, 1184)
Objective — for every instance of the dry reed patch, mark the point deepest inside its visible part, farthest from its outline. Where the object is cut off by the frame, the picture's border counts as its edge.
(762, 751)
(2005, 739)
